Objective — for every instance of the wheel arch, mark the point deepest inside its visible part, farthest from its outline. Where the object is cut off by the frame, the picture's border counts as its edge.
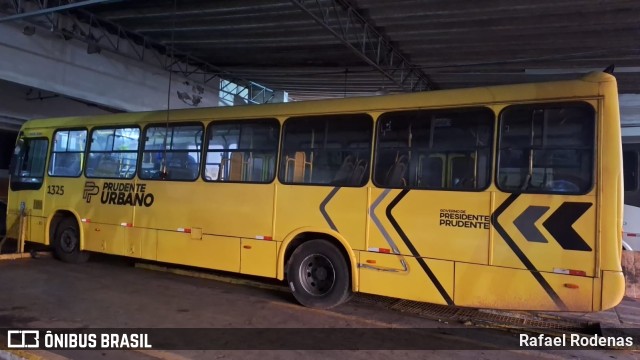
(57, 217)
(301, 235)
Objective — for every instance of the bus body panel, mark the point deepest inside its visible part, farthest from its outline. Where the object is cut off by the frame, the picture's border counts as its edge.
(446, 225)
(550, 232)
(341, 209)
(106, 238)
(228, 209)
(613, 288)
(142, 243)
(504, 288)
(257, 257)
(212, 252)
(404, 277)
(37, 226)
(610, 185)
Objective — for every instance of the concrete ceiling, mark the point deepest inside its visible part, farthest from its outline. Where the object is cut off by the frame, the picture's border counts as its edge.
(292, 45)
(455, 43)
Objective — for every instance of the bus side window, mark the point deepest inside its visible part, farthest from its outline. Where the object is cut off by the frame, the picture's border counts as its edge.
(434, 149)
(236, 167)
(172, 152)
(430, 171)
(547, 148)
(358, 173)
(107, 167)
(346, 169)
(351, 171)
(113, 152)
(462, 169)
(331, 150)
(242, 151)
(295, 167)
(70, 165)
(361, 167)
(181, 166)
(67, 153)
(396, 174)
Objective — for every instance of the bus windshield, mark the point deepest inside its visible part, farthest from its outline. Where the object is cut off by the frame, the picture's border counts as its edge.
(27, 164)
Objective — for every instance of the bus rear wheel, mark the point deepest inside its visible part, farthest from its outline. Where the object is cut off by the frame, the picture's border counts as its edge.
(66, 245)
(318, 275)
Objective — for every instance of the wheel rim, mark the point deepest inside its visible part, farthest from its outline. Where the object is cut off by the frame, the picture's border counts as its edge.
(68, 240)
(317, 274)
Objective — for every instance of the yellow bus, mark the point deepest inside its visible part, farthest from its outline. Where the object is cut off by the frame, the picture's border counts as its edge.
(506, 197)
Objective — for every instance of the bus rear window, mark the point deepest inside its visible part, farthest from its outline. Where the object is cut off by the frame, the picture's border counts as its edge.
(547, 148)
(27, 164)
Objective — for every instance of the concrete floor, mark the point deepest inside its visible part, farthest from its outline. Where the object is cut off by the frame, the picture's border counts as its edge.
(108, 292)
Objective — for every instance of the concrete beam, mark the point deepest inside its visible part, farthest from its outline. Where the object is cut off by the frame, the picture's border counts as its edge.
(48, 62)
(11, 124)
(19, 102)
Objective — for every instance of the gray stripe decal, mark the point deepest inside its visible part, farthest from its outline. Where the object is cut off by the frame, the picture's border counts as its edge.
(376, 221)
(323, 211)
(525, 222)
(383, 231)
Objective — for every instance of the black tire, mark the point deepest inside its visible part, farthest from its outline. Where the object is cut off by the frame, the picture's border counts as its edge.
(318, 275)
(66, 245)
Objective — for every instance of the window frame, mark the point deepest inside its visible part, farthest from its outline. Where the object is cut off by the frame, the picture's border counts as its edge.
(367, 172)
(90, 141)
(20, 186)
(546, 105)
(490, 147)
(83, 153)
(205, 149)
(141, 146)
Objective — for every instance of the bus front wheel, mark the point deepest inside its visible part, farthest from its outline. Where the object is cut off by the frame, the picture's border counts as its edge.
(66, 245)
(318, 275)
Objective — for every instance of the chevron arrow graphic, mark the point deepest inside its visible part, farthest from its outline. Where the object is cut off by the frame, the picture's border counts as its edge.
(526, 223)
(559, 225)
